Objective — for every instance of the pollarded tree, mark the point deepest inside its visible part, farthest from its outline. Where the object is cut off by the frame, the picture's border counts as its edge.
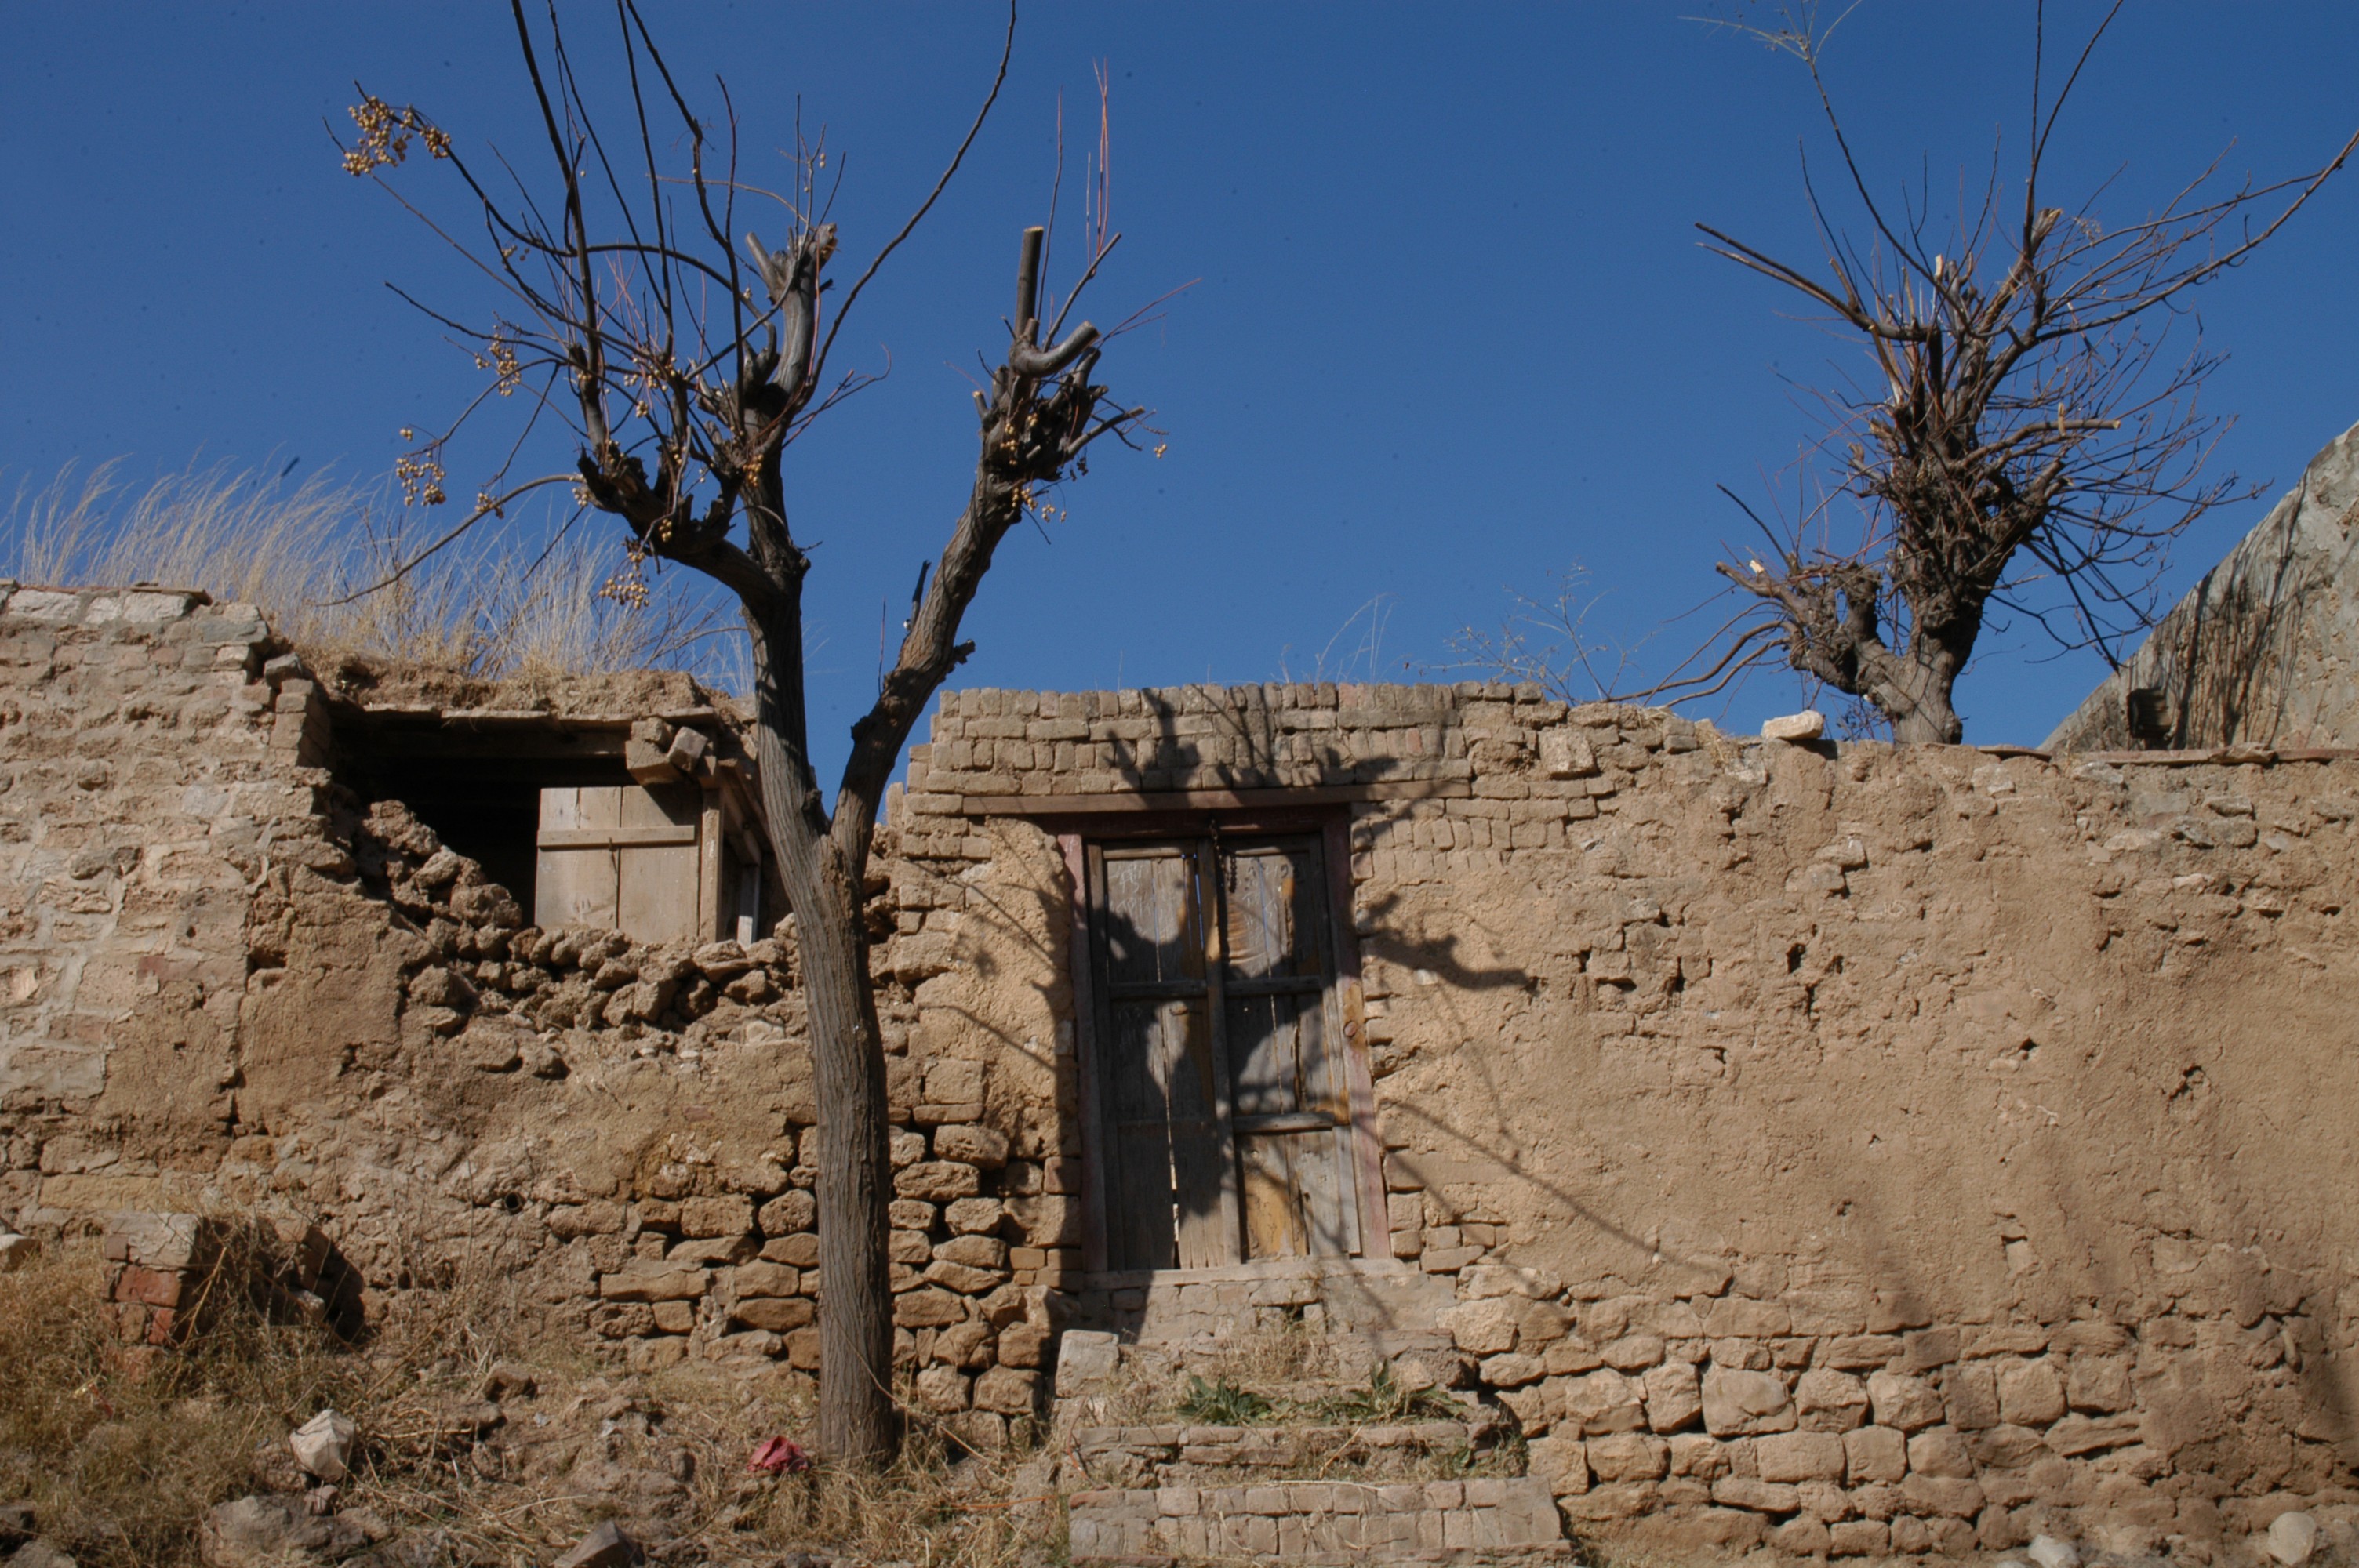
(684, 366)
(2018, 439)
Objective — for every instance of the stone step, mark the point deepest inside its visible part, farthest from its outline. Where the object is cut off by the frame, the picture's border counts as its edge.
(1322, 1522)
(1170, 1454)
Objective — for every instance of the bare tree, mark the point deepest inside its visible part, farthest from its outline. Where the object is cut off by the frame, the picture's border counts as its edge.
(2020, 441)
(627, 313)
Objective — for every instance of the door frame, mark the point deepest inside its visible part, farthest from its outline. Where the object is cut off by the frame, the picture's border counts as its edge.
(1333, 826)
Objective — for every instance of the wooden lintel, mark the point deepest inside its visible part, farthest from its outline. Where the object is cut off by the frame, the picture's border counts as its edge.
(615, 837)
(1211, 799)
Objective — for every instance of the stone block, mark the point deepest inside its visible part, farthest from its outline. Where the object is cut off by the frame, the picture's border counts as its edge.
(1829, 1401)
(1799, 1456)
(1859, 1352)
(1739, 1402)
(974, 1251)
(984, 1147)
(801, 1250)
(1875, 1453)
(1859, 1538)
(787, 1213)
(1559, 1462)
(1632, 1352)
(1970, 1396)
(653, 1281)
(1628, 1456)
(1955, 1496)
(1753, 1493)
(1710, 1534)
(2099, 1384)
(927, 1307)
(764, 1279)
(1009, 1391)
(1674, 1396)
(937, 1180)
(775, 1315)
(2030, 1393)
(1735, 1317)
(1511, 1370)
(1901, 1401)
(1085, 1358)
(960, 1277)
(1599, 1403)
(973, 1216)
(1483, 1327)
(730, 1214)
(1939, 1451)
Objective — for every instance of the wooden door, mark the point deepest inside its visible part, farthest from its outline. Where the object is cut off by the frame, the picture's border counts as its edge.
(1172, 1197)
(626, 857)
(1291, 1098)
(1224, 1099)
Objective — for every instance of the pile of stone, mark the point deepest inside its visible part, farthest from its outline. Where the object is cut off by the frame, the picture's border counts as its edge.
(162, 1273)
(168, 1273)
(480, 959)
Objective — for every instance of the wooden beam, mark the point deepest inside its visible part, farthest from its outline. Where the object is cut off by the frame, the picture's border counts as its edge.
(1211, 799)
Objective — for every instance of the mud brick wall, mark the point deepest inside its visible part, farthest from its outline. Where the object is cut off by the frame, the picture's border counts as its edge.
(1868, 1149)
(233, 986)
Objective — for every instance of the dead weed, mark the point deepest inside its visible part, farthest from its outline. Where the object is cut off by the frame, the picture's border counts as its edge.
(505, 1445)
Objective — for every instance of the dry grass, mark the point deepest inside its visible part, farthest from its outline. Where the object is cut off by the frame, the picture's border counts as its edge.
(121, 1464)
(496, 605)
(118, 1463)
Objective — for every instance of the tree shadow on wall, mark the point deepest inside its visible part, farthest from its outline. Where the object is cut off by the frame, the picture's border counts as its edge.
(1264, 755)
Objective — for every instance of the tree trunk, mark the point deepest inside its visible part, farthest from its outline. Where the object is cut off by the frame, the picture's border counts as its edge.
(1913, 695)
(857, 1423)
(857, 1419)
(1929, 723)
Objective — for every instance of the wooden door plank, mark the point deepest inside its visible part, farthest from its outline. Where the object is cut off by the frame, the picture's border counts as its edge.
(1203, 1178)
(1138, 1115)
(599, 807)
(1211, 876)
(1273, 1217)
(709, 923)
(1153, 925)
(656, 897)
(1080, 965)
(575, 886)
(1321, 1168)
(560, 809)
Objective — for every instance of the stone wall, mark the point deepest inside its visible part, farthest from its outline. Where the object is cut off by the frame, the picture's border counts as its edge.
(2264, 650)
(1869, 1149)
(233, 986)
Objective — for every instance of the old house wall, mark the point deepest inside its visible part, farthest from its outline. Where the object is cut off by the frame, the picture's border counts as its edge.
(1899, 1147)
(1892, 1148)
(233, 985)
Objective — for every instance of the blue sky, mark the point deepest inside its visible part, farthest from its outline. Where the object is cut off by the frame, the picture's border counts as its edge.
(1451, 329)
